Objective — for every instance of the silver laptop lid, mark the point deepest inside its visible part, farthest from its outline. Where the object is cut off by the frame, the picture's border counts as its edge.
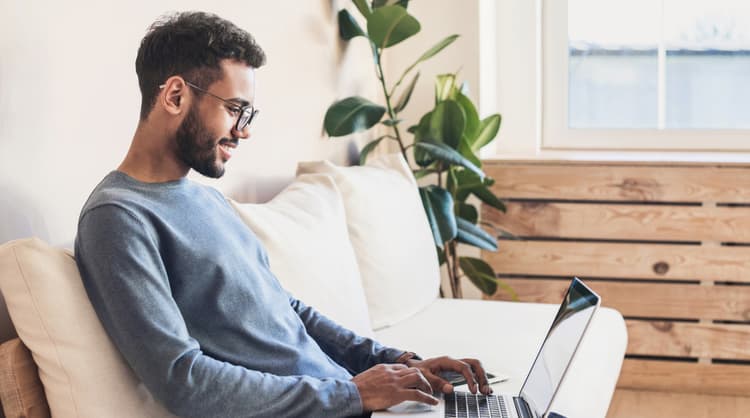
(559, 346)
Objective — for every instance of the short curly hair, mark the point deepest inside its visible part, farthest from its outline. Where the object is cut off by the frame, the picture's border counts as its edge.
(192, 45)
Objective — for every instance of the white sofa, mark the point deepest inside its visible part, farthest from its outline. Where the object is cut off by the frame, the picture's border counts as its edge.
(351, 241)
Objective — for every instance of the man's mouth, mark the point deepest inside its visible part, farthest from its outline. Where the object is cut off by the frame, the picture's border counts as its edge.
(227, 146)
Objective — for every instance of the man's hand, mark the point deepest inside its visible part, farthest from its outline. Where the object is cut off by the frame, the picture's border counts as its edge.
(471, 369)
(386, 385)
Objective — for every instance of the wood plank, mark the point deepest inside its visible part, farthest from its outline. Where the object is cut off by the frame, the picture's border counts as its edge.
(633, 222)
(641, 261)
(680, 339)
(628, 403)
(672, 376)
(650, 300)
(620, 182)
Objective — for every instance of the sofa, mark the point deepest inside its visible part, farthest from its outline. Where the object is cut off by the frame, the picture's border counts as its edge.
(351, 241)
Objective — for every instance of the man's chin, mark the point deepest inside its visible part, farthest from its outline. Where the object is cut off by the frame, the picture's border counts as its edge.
(213, 172)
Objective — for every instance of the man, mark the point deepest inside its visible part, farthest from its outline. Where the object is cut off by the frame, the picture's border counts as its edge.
(184, 289)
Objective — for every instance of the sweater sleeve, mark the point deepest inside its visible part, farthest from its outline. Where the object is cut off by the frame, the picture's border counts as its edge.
(350, 350)
(119, 260)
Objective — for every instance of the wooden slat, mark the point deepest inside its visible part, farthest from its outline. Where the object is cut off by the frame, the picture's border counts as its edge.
(629, 403)
(641, 261)
(651, 300)
(633, 222)
(679, 339)
(725, 379)
(620, 182)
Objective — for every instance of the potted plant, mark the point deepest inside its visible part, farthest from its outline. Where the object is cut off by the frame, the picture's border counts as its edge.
(443, 146)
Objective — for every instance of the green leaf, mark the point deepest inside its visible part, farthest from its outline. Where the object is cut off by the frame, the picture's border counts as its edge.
(445, 87)
(363, 8)
(367, 148)
(350, 115)
(507, 288)
(467, 182)
(406, 95)
(468, 233)
(436, 48)
(389, 25)
(467, 211)
(480, 273)
(381, 3)
(447, 154)
(447, 123)
(430, 53)
(465, 149)
(485, 195)
(438, 206)
(472, 118)
(422, 132)
(348, 27)
(487, 131)
(391, 122)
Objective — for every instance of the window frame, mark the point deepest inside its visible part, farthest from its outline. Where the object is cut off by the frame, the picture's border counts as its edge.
(557, 135)
(525, 64)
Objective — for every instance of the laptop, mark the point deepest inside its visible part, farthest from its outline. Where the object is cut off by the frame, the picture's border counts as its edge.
(543, 380)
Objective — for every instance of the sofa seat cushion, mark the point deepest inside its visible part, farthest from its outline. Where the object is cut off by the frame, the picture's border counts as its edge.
(304, 232)
(82, 372)
(505, 336)
(390, 235)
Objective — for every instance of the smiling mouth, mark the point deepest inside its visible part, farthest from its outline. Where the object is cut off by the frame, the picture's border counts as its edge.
(227, 148)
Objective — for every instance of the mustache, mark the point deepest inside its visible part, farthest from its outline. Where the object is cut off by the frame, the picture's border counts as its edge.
(233, 141)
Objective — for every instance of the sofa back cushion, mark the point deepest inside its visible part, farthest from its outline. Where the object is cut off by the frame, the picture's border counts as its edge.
(82, 372)
(390, 235)
(304, 232)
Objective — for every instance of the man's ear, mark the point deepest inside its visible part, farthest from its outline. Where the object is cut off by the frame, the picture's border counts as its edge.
(173, 96)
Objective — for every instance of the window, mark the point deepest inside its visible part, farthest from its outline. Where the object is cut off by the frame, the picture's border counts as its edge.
(645, 74)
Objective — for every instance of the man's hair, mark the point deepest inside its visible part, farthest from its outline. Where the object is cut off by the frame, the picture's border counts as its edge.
(192, 45)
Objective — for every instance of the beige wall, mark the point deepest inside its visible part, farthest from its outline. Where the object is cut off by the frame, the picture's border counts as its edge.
(69, 99)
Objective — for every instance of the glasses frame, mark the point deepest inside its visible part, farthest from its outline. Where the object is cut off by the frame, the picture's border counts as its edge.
(246, 113)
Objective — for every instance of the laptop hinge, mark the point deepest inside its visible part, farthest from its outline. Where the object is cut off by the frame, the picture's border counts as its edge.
(522, 407)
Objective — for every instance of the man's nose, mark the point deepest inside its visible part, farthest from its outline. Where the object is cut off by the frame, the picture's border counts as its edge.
(243, 133)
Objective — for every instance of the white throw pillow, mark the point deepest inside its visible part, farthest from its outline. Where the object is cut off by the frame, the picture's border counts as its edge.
(82, 372)
(304, 232)
(390, 235)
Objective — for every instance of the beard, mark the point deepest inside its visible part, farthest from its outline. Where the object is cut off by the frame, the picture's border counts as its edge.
(196, 148)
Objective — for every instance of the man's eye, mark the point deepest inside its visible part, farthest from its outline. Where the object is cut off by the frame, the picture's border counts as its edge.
(233, 110)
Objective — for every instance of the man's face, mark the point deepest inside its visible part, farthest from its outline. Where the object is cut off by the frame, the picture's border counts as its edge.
(207, 135)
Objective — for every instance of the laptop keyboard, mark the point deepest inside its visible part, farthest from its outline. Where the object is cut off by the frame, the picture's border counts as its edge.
(467, 405)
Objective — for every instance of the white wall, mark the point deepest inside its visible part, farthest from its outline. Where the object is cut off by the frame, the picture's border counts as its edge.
(69, 99)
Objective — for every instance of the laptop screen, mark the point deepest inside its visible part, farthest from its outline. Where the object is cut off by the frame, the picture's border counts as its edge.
(558, 348)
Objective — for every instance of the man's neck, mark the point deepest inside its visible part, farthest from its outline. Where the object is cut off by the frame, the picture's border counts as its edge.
(152, 157)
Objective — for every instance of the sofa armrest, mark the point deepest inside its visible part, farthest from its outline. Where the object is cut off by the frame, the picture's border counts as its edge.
(21, 391)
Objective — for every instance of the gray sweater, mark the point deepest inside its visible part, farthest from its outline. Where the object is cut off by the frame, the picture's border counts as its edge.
(184, 290)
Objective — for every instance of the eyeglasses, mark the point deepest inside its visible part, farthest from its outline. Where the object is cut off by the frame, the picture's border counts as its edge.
(246, 113)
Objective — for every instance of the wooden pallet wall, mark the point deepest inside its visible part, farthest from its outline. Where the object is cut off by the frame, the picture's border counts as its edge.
(668, 245)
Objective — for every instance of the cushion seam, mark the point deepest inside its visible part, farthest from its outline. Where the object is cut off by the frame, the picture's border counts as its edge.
(46, 331)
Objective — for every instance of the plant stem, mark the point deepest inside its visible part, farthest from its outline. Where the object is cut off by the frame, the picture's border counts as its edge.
(391, 113)
(452, 266)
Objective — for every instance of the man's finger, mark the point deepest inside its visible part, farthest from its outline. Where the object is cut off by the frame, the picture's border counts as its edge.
(415, 379)
(480, 373)
(438, 383)
(465, 370)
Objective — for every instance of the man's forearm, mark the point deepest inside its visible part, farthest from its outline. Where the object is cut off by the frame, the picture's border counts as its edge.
(352, 351)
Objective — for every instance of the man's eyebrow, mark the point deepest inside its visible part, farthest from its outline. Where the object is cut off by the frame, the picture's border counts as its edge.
(240, 101)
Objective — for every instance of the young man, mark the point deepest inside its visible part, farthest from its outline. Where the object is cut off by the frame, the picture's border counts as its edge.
(184, 289)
